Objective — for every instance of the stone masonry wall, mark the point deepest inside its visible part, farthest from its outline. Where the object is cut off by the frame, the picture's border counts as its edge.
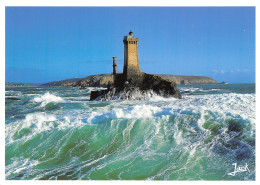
(131, 68)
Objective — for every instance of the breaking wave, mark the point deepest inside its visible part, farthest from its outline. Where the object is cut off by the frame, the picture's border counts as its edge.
(47, 98)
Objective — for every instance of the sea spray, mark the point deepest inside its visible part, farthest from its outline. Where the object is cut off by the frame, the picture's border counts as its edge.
(47, 98)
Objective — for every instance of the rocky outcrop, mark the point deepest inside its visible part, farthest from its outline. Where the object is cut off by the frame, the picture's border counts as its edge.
(102, 80)
(14, 84)
(91, 81)
(187, 80)
(65, 83)
(160, 86)
(96, 80)
(148, 85)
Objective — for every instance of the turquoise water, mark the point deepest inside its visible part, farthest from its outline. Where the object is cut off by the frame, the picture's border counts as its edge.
(56, 133)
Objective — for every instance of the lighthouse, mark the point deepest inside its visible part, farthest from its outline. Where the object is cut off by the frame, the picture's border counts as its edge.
(131, 70)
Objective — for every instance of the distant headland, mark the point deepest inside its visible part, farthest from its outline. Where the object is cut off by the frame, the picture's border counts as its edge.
(102, 80)
(15, 84)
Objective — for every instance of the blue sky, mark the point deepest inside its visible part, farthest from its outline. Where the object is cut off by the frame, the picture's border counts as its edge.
(54, 43)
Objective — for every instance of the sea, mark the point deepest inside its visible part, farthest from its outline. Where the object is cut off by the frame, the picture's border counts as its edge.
(56, 133)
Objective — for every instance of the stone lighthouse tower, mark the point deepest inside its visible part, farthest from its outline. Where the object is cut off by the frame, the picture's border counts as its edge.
(131, 71)
(114, 66)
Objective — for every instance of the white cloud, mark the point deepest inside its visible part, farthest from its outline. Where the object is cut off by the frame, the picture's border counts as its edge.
(215, 71)
(246, 70)
(222, 71)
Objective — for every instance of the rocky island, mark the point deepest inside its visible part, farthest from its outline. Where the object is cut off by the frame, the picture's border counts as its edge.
(132, 82)
(102, 80)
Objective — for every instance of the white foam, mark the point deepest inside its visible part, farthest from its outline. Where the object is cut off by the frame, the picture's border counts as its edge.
(19, 165)
(227, 103)
(132, 112)
(157, 98)
(138, 111)
(47, 98)
(38, 122)
(189, 89)
(241, 105)
(216, 89)
(95, 88)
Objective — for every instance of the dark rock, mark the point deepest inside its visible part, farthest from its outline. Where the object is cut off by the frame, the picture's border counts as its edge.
(12, 98)
(243, 152)
(223, 82)
(185, 82)
(147, 85)
(95, 94)
(235, 125)
(220, 149)
(160, 86)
